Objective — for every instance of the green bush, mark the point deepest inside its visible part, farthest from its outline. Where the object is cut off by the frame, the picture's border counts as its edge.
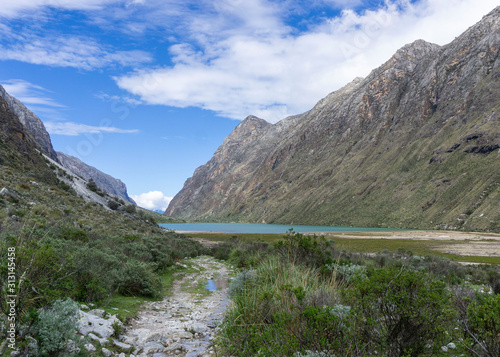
(137, 279)
(401, 311)
(55, 326)
(311, 250)
(484, 325)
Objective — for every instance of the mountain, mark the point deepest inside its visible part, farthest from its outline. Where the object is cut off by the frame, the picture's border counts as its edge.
(413, 145)
(32, 123)
(103, 181)
(36, 129)
(19, 149)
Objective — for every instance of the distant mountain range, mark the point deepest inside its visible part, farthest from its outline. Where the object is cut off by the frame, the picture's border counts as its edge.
(413, 145)
(41, 138)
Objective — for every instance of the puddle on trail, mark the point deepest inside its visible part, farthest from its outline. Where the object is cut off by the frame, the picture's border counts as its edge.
(217, 284)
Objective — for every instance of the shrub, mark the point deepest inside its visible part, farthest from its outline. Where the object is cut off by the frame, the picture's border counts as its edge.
(130, 209)
(311, 250)
(484, 325)
(138, 279)
(113, 205)
(402, 310)
(55, 326)
(92, 186)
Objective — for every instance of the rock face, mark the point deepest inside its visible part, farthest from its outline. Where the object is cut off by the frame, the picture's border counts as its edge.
(18, 147)
(104, 181)
(31, 122)
(415, 144)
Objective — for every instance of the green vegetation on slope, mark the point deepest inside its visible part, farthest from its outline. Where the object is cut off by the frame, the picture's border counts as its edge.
(303, 297)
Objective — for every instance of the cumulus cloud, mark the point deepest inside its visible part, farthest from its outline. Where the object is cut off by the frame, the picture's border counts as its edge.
(153, 200)
(267, 68)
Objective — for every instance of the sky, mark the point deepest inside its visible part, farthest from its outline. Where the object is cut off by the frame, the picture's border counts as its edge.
(146, 90)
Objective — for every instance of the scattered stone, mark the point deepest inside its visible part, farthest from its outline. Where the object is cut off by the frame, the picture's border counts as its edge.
(15, 353)
(106, 352)
(154, 346)
(451, 346)
(444, 348)
(122, 346)
(90, 347)
(175, 347)
(84, 307)
(72, 348)
(199, 327)
(121, 355)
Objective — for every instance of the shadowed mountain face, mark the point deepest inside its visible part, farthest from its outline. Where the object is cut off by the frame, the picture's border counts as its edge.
(18, 148)
(415, 144)
(103, 181)
(31, 122)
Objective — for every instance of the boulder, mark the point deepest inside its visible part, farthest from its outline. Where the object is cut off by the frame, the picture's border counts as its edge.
(90, 347)
(90, 323)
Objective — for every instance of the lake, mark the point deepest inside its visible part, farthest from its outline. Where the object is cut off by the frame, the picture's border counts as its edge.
(262, 228)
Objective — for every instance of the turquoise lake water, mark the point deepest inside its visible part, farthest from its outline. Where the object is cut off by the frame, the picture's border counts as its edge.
(262, 228)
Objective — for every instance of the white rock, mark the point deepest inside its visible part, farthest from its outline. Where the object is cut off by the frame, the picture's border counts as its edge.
(98, 312)
(122, 346)
(106, 352)
(451, 346)
(198, 327)
(90, 347)
(71, 347)
(90, 323)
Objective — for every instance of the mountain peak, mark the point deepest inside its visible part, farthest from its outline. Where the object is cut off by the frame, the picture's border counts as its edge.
(411, 145)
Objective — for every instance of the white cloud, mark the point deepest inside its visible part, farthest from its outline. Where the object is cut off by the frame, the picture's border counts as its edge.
(262, 66)
(74, 129)
(29, 93)
(153, 200)
(70, 51)
(12, 8)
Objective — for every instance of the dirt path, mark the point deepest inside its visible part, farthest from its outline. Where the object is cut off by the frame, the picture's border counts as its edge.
(183, 324)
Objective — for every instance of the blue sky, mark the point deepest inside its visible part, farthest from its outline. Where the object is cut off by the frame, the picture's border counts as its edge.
(146, 90)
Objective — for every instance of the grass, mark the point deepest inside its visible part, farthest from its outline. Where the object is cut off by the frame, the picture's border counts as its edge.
(126, 307)
(368, 245)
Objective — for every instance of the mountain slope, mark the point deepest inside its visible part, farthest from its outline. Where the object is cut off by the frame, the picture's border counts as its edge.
(35, 127)
(32, 123)
(103, 181)
(415, 144)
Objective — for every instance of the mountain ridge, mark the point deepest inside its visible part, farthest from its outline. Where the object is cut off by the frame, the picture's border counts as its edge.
(378, 152)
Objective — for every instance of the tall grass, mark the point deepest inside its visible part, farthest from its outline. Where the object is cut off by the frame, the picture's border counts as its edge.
(268, 311)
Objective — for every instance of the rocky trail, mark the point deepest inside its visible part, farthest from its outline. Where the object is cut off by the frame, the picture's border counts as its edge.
(183, 324)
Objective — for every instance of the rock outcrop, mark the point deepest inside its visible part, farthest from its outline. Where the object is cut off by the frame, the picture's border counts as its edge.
(31, 122)
(103, 181)
(415, 144)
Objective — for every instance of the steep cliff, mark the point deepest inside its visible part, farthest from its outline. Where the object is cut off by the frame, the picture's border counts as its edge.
(415, 144)
(103, 181)
(31, 122)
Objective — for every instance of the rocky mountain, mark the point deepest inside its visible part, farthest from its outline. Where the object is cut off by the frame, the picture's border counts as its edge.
(415, 144)
(103, 181)
(37, 131)
(32, 123)
(19, 149)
